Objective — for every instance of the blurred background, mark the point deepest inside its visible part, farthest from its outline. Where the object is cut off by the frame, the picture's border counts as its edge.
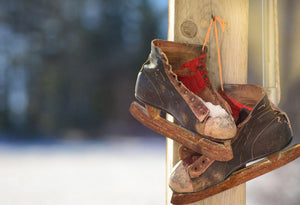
(67, 76)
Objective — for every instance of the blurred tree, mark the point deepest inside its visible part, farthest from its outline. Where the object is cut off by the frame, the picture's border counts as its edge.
(79, 61)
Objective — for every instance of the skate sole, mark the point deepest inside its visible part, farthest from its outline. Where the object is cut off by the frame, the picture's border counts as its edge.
(150, 117)
(203, 136)
(241, 176)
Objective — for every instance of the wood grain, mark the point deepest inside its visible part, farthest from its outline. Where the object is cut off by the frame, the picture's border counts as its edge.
(188, 23)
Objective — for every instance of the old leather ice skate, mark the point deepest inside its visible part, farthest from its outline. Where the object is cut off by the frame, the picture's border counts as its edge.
(205, 127)
(264, 132)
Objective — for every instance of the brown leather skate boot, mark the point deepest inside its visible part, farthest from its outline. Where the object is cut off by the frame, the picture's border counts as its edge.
(204, 126)
(265, 131)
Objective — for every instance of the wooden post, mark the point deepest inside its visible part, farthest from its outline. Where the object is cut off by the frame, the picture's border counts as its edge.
(188, 23)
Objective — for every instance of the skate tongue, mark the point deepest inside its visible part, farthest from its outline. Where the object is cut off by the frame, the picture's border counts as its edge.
(195, 63)
(193, 75)
(195, 79)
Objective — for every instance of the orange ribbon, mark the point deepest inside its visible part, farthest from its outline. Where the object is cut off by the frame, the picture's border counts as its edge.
(222, 22)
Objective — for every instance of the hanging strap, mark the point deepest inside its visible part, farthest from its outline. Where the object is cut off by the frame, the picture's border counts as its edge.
(222, 22)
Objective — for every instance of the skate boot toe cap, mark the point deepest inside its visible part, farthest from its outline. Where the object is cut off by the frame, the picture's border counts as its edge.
(179, 180)
(220, 127)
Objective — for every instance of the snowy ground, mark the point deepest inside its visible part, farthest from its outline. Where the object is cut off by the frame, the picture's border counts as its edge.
(127, 171)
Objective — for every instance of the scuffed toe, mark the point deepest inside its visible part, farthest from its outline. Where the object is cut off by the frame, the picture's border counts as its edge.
(180, 181)
(220, 127)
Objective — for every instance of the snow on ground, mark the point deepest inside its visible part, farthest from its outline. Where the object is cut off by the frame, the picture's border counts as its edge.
(124, 171)
(131, 172)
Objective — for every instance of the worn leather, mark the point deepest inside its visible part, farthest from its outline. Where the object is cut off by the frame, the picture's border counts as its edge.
(194, 162)
(158, 85)
(264, 131)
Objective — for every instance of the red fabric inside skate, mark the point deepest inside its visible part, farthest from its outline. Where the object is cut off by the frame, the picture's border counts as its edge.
(197, 82)
(235, 105)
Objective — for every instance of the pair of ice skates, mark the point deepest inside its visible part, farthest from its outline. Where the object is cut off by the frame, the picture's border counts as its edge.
(219, 131)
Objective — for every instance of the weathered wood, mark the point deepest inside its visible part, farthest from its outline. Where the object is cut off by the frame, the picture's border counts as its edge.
(188, 23)
(191, 20)
(150, 117)
(257, 169)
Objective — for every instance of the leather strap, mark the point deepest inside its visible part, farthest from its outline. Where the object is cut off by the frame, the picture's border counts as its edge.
(199, 166)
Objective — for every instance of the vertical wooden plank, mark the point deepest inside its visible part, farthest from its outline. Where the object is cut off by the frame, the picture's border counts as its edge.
(188, 23)
(270, 63)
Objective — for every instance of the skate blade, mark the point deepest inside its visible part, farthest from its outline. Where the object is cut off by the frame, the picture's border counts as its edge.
(150, 117)
(241, 176)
